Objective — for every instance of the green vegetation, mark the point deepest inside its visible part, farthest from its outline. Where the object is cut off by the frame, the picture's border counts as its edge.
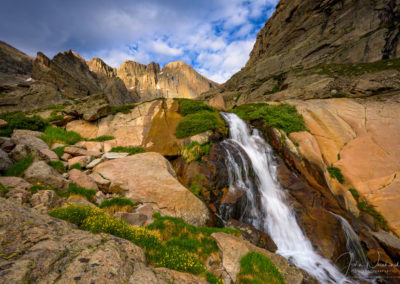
(103, 138)
(131, 150)
(256, 268)
(187, 106)
(195, 188)
(76, 166)
(54, 134)
(74, 189)
(354, 69)
(283, 116)
(198, 118)
(3, 190)
(21, 121)
(237, 97)
(118, 204)
(54, 116)
(199, 122)
(57, 165)
(212, 279)
(336, 173)
(18, 168)
(123, 109)
(38, 186)
(365, 207)
(157, 252)
(338, 95)
(59, 151)
(195, 151)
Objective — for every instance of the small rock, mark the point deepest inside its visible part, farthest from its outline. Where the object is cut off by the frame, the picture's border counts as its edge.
(57, 145)
(113, 155)
(135, 219)
(3, 123)
(80, 178)
(6, 145)
(5, 161)
(75, 151)
(94, 163)
(100, 197)
(82, 160)
(29, 138)
(66, 157)
(148, 210)
(41, 172)
(80, 200)
(93, 146)
(49, 154)
(45, 200)
(102, 183)
(19, 195)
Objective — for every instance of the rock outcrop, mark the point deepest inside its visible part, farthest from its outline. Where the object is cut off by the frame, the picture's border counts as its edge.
(150, 178)
(174, 80)
(38, 248)
(15, 66)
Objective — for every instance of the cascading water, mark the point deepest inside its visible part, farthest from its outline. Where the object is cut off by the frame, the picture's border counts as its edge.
(273, 215)
(358, 264)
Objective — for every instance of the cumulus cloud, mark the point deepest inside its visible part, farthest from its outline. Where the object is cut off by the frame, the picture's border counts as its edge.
(214, 36)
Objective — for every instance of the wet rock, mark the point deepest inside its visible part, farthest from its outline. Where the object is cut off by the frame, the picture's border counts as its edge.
(390, 243)
(80, 178)
(149, 177)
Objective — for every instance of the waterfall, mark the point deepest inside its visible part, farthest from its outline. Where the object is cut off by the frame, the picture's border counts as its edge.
(359, 265)
(273, 215)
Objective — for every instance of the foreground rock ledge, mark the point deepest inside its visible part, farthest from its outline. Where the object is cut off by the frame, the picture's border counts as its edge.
(150, 178)
(36, 248)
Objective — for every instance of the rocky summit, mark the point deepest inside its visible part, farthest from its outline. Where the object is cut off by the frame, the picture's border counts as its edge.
(286, 173)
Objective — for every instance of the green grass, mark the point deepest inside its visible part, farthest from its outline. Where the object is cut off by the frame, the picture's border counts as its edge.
(59, 151)
(76, 166)
(74, 189)
(58, 166)
(36, 187)
(187, 106)
(117, 201)
(195, 151)
(212, 279)
(283, 116)
(21, 121)
(157, 252)
(355, 69)
(199, 122)
(18, 168)
(54, 134)
(131, 150)
(336, 173)
(103, 138)
(195, 188)
(123, 109)
(365, 207)
(256, 268)
(3, 190)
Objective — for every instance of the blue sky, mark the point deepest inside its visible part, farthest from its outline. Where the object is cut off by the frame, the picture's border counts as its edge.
(214, 36)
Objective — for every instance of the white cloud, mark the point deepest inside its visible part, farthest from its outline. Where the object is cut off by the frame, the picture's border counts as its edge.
(162, 47)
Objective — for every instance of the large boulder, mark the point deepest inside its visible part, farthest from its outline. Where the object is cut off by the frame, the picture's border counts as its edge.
(41, 172)
(149, 178)
(232, 249)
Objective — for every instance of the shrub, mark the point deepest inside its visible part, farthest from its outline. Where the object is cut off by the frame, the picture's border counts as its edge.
(195, 188)
(336, 173)
(74, 189)
(76, 166)
(103, 138)
(212, 279)
(59, 151)
(199, 122)
(21, 121)
(283, 116)
(75, 214)
(54, 117)
(116, 204)
(54, 134)
(187, 106)
(123, 109)
(58, 166)
(131, 150)
(195, 151)
(258, 268)
(18, 168)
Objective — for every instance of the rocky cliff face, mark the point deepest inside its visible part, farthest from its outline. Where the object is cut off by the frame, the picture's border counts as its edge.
(14, 64)
(313, 49)
(175, 80)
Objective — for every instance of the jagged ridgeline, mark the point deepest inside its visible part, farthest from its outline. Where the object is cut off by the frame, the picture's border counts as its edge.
(287, 173)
